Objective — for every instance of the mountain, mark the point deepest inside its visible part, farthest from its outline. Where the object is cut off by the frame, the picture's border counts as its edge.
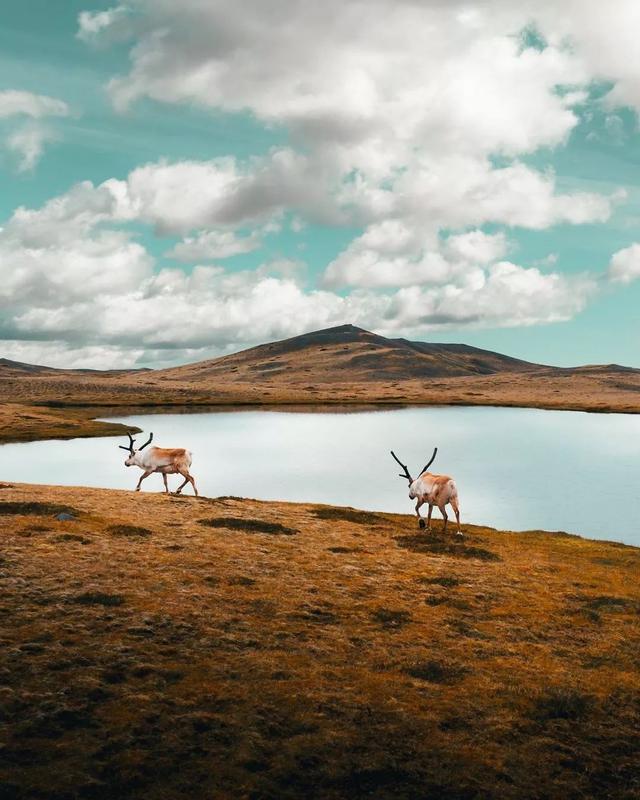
(15, 368)
(348, 353)
(10, 368)
(344, 365)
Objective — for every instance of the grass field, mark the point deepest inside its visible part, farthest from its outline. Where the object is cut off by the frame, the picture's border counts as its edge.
(171, 647)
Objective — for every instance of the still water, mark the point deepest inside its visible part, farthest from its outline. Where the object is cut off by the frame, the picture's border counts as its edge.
(516, 469)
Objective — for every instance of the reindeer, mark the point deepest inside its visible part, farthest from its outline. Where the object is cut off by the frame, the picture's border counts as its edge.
(436, 490)
(159, 459)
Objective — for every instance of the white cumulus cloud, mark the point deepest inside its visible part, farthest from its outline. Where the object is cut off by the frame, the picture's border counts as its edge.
(407, 122)
(27, 139)
(624, 266)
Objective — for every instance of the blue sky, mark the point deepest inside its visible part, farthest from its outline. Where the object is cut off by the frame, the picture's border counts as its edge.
(182, 181)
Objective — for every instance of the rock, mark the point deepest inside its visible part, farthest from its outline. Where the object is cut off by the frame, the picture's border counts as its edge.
(64, 516)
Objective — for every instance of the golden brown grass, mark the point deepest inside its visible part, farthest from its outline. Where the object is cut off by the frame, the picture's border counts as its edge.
(354, 657)
(25, 423)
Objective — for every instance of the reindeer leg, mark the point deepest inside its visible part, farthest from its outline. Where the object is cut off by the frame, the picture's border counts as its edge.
(429, 517)
(142, 477)
(420, 520)
(187, 479)
(166, 485)
(443, 511)
(183, 484)
(456, 511)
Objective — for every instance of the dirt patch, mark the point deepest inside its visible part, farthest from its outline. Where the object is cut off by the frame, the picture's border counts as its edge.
(594, 607)
(561, 703)
(249, 525)
(130, 531)
(241, 580)
(390, 618)
(436, 671)
(72, 537)
(447, 581)
(97, 599)
(320, 615)
(442, 546)
(26, 508)
(349, 515)
(609, 603)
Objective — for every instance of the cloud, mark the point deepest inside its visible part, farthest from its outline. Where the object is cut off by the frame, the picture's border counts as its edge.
(398, 70)
(437, 62)
(209, 308)
(504, 295)
(110, 24)
(28, 140)
(394, 124)
(212, 245)
(69, 277)
(624, 266)
(15, 103)
(28, 143)
(58, 353)
(408, 122)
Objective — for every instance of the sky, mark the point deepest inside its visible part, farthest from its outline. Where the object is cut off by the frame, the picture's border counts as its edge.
(183, 180)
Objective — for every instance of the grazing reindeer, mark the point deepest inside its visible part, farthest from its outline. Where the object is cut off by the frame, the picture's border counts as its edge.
(159, 459)
(436, 490)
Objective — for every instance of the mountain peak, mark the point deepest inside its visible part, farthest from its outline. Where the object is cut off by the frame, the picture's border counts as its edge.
(349, 353)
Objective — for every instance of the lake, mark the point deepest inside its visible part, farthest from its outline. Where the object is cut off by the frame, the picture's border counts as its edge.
(516, 469)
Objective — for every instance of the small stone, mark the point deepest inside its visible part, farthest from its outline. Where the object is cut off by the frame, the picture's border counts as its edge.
(64, 516)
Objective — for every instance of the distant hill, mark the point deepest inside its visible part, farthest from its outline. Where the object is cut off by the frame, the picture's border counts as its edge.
(348, 353)
(10, 368)
(341, 365)
(344, 353)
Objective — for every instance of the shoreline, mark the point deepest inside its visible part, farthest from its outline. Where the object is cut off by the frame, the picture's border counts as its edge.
(39, 420)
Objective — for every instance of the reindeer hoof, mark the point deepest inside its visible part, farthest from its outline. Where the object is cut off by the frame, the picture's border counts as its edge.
(460, 534)
(422, 523)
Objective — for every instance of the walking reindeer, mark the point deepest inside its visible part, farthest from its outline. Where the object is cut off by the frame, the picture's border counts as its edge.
(160, 459)
(436, 490)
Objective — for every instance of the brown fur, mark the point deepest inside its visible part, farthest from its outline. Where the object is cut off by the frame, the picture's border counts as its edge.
(436, 490)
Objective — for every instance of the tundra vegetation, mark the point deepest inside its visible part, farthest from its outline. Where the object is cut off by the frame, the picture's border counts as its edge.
(163, 647)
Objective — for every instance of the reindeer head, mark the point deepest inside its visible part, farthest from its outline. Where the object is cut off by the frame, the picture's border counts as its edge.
(412, 482)
(131, 460)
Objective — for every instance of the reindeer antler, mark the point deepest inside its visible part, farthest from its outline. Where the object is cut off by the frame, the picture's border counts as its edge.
(425, 468)
(404, 467)
(131, 442)
(149, 440)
